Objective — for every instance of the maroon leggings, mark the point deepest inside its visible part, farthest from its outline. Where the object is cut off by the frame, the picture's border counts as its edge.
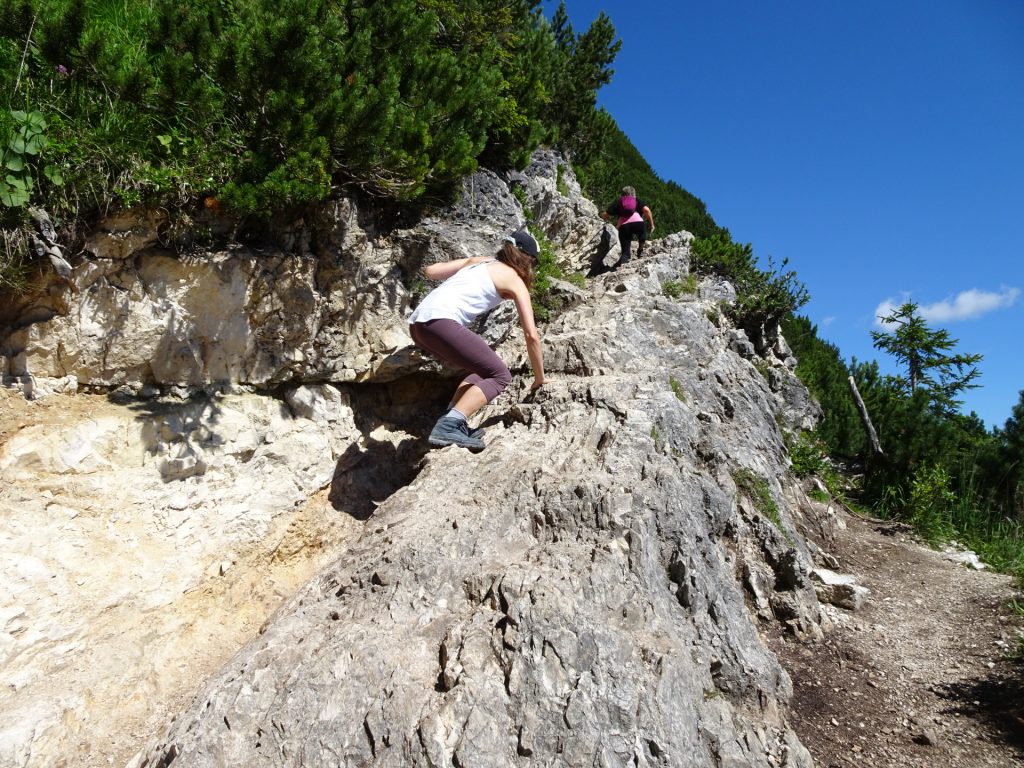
(462, 348)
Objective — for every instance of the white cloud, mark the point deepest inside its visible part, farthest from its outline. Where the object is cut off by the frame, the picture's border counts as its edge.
(887, 307)
(828, 320)
(966, 305)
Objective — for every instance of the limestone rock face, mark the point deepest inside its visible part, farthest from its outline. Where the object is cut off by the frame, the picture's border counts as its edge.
(588, 590)
(559, 210)
(569, 596)
(330, 303)
(136, 535)
(333, 307)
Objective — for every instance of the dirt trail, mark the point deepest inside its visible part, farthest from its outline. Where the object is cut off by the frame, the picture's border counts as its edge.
(922, 675)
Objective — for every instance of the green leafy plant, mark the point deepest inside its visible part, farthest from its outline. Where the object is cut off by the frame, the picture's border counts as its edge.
(22, 164)
(931, 504)
(926, 502)
(807, 454)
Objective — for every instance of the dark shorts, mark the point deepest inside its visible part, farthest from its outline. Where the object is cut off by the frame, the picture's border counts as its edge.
(460, 347)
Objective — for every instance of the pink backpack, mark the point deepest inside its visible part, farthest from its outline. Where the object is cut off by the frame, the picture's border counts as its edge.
(627, 204)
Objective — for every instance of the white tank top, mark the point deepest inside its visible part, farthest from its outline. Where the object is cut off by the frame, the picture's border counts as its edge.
(462, 297)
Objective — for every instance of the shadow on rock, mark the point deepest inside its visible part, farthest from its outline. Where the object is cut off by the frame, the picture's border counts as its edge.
(368, 474)
(597, 265)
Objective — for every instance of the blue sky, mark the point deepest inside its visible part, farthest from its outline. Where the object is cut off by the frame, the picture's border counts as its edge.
(879, 146)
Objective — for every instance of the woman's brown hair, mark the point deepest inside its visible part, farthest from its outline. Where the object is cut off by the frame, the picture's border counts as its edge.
(521, 262)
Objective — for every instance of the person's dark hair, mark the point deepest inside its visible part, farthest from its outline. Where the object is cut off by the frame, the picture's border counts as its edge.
(521, 262)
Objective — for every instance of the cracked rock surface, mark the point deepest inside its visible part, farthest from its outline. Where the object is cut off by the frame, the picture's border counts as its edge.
(569, 596)
(589, 590)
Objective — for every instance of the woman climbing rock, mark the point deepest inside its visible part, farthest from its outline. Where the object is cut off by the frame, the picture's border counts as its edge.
(440, 325)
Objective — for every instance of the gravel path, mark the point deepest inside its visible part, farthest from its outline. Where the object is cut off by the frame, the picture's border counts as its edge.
(922, 675)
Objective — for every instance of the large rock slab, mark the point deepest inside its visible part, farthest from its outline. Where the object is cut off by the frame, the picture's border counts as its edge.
(141, 544)
(570, 596)
(589, 590)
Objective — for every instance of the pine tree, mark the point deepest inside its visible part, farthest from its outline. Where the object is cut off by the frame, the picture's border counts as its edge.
(583, 66)
(821, 368)
(923, 351)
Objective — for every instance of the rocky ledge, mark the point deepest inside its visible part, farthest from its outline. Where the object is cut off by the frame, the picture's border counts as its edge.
(589, 590)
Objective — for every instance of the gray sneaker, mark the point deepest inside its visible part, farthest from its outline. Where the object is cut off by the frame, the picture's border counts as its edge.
(452, 431)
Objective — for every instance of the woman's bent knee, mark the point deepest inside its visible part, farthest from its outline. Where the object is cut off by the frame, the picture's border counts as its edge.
(492, 386)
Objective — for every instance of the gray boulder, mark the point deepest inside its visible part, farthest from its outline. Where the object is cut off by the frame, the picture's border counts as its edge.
(567, 597)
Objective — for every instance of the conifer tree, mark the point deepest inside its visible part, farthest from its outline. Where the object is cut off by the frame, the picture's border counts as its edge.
(1009, 485)
(924, 353)
(584, 65)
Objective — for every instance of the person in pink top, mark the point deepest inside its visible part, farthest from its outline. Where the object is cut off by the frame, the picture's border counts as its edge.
(440, 325)
(629, 213)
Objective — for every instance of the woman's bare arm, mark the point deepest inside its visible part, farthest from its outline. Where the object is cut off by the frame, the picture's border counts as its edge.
(511, 286)
(649, 216)
(445, 269)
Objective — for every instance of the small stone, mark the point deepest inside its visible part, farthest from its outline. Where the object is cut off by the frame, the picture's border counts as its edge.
(927, 737)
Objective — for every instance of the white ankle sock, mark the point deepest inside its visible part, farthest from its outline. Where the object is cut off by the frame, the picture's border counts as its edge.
(456, 414)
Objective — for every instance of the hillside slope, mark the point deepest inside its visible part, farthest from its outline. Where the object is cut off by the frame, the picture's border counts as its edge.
(592, 588)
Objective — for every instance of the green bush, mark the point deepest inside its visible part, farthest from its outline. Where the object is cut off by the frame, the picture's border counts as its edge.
(267, 105)
(676, 288)
(808, 455)
(763, 297)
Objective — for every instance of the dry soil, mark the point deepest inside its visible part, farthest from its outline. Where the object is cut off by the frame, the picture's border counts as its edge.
(927, 673)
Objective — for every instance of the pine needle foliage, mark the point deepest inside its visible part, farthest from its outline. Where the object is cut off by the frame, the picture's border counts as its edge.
(763, 297)
(265, 105)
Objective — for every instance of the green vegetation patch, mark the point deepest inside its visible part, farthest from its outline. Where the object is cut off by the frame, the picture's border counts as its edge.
(756, 488)
(763, 297)
(676, 288)
(151, 101)
(677, 388)
(546, 302)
